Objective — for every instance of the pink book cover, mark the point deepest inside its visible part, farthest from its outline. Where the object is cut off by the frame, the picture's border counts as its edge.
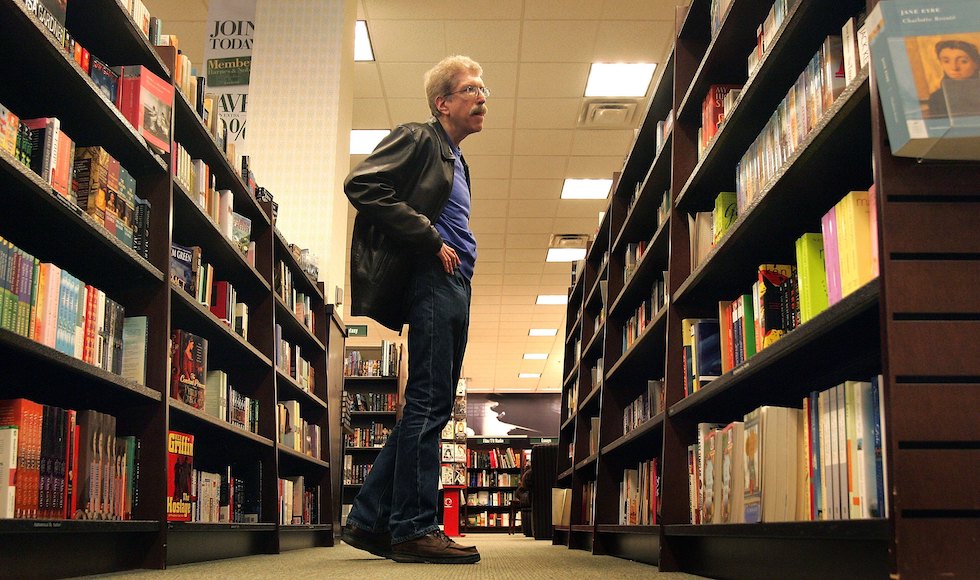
(873, 206)
(828, 223)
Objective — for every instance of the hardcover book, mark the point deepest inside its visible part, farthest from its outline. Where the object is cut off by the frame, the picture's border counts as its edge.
(241, 231)
(188, 368)
(924, 55)
(812, 273)
(180, 474)
(9, 125)
(106, 79)
(146, 101)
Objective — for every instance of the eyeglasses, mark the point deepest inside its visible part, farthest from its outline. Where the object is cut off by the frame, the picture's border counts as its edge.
(471, 91)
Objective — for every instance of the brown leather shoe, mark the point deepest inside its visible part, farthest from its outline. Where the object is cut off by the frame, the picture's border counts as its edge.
(434, 548)
(378, 544)
(468, 549)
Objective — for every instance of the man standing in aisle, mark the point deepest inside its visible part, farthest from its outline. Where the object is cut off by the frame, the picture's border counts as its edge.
(412, 259)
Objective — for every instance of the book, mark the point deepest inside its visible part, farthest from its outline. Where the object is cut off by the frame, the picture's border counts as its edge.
(771, 452)
(105, 79)
(180, 471)
(146, 101)
(51, 14)
(91, 180)
(182, 268)
(724, 214)
(854, 236)
(910, 42)
(188, 368)
(8, 469)
(9, 127)
(135, 336)
(812, 274)
(45, 132)
(241, 231)
(732, 500)
(768, 294)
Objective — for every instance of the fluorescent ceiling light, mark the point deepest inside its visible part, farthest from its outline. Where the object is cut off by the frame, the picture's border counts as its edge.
(363, 141)
(586, 188)
(565, 254)
(552, 299)
(535, 356)
(362, 42)
(543, 332)
(619, 79)
(529, 375)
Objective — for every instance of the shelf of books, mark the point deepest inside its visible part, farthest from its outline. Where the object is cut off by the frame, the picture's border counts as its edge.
(787, 378)
(494, 466)
(163, 334)
(371, 403)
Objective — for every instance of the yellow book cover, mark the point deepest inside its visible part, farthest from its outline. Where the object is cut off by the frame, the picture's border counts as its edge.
(812, 275)
(854, 241)
(724, 214)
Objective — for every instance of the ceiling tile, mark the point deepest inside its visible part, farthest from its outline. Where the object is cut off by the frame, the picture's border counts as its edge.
(594, 167)
(501, 77)
(489, 188)
(518, 268)
(484, 267)
(418, 41)
(484, 225)
(602, 142)
(490, 242)
(493, 301)
(489, 166)
(530, 208)
(558, 40)
(581, 208)
(527, 241)
(489, 256)
(489, 142)
(540, 167)
(536, 141)
(483, 41)
(552, 80)
(438, 9)
(408, 110)
(404, 80)
(547, 113)
(536, 188)
(575, 225)
(367, 81)
(562, 9)
(529, 255)
(534, 225)
(632, 41)
(370, 114)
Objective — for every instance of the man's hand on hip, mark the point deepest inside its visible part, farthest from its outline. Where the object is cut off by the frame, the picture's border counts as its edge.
(448, 258)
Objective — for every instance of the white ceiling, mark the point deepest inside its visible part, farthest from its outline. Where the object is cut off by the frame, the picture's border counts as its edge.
(535, 56)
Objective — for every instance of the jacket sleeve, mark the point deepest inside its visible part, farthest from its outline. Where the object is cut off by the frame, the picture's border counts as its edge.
(372, 188)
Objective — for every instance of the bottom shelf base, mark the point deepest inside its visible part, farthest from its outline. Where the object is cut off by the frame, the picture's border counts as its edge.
(202, 542)
(640, 544)
(299, 537)
(580, 538)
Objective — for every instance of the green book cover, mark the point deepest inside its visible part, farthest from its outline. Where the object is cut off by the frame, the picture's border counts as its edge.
(748, 325)
(812, 275)
(724, 214)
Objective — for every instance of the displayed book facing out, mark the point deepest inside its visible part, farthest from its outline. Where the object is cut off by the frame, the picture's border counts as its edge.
(146, 101)
(180, 472)
(924, 54)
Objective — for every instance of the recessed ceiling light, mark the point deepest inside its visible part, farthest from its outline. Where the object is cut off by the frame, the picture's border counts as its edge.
(529, 375)
(586, 188)
(543, 332)
(535, 356)
(363, 141)
(565, 254)
(552, 299)
(619, 79)
(362, 42)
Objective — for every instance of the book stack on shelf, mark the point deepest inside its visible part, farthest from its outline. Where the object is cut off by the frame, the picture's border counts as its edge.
(452, 443)
(801, 326)
(494, 467)
(154, 336)
(371, 399)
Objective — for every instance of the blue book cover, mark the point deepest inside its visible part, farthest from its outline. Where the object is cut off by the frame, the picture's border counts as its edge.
(927, 67)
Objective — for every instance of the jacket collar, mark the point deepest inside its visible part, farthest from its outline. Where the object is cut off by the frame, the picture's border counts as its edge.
(447, 148)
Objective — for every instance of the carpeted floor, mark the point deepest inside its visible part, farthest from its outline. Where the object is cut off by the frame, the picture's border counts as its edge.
(504, 557)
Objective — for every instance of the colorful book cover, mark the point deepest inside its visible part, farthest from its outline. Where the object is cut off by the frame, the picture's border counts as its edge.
(146, 101)
(768, 307)
(854, 241)
(180, 473)
(828, 226)
(724, 214)
(181, 267)
(812, 275)
(241, 231)
(732, 473)
(91, 180)
(9, 125)
(924, 54)
(188, 368)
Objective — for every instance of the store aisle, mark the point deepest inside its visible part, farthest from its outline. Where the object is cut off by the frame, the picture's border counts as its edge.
(503, 557)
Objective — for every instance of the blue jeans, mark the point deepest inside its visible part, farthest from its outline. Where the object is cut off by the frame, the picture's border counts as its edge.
(400, 495)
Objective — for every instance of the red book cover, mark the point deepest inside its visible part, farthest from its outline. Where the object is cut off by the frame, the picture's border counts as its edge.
(61, 169)
(71, 456)
(713, 111)
(26, 415)
(188, 368)
(180, 470)
(147, 102)
(220, 306)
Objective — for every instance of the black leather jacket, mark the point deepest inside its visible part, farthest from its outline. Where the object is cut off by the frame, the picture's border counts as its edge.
(399, 192)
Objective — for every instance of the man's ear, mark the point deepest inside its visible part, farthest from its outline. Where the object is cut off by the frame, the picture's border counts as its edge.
(442, 106)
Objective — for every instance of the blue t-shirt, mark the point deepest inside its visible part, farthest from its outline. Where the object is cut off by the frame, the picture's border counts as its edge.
(454, 223)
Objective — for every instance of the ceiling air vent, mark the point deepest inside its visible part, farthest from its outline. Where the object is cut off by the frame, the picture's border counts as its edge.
(608, 114)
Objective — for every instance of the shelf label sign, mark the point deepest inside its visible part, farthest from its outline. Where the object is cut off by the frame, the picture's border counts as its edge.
(228, 61)
(358, 330)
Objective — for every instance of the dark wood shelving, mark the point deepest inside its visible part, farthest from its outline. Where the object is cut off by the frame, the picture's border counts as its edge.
(117, 40)
(193, 136)
(27, 195)
(289, 389)
(640, 435)
(621, 529)
(568, 422)
(566, 474)
(293, 457)
(193, 227)
(639, 285)
(869, 529)
(214, 427)
(651, 341)
(839, 342)
(293, 329)
(363, 449)
(88, 117)
(373, 413)
(572, 374)
(587, 462)
(657, 182)
(179, 527)
(590, 401)
(309, 286)
(23, 526)
(834, 151)
(371, 379)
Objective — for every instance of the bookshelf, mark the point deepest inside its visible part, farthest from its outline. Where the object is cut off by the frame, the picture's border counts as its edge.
(44, 80)
(494, 468)
(900, 325)
(371, 406)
